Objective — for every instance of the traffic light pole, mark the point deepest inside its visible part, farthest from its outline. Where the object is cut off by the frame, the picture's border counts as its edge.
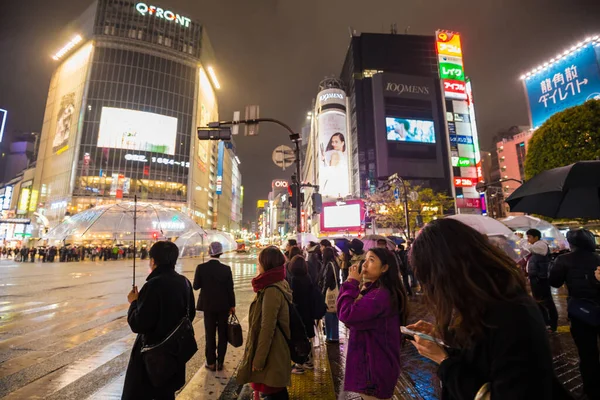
(294, 137)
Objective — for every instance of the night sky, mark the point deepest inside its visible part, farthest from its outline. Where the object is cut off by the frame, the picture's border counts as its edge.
(275, 52)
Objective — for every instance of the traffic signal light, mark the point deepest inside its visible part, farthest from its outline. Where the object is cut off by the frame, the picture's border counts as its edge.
(155, 236)
(292, 194)
(317, 202)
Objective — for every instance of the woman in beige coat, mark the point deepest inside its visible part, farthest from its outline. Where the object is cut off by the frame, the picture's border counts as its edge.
(267, 364)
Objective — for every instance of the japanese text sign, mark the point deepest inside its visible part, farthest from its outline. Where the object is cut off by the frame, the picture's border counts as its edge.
(568, 83)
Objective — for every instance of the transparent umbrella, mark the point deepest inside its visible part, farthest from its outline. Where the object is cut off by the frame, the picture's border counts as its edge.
(116, 221)
(123, 221)
(498, 233)
(550, 233)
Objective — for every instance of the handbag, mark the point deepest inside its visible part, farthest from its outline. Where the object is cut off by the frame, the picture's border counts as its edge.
(585, 310)
(234, 331)
(331, 295)
(163, 359)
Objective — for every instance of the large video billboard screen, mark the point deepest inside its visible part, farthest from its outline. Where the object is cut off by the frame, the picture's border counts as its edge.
(567, 83)
(409, 130)
(343, 216)
(334, 179)
(137, 130)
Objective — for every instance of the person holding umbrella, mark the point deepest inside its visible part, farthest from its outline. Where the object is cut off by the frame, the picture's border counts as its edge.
(153, 313)
(580, 270)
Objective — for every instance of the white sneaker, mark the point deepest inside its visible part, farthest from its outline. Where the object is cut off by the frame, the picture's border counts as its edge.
(297, 370)
(308, 365)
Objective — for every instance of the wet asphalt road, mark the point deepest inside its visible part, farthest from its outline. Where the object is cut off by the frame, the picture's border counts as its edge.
(63, 326)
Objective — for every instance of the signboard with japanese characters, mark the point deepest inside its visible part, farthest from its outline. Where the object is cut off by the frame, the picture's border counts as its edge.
(567, 83)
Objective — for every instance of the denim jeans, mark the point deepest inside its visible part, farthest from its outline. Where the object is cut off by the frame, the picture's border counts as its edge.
(332, 326)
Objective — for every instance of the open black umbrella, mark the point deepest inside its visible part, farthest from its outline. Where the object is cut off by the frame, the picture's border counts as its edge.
(566, 192)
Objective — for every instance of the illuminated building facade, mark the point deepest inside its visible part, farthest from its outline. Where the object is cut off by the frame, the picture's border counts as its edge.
(133, 82)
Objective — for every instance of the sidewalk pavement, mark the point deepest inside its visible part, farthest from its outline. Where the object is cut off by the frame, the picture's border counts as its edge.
(418, 379)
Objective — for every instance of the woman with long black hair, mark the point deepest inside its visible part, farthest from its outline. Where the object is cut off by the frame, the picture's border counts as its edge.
(373, 313)
(493, 332)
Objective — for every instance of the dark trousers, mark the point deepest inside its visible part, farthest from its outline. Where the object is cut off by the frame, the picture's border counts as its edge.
(213, 323)
(406, 284)
(281, 395)
(586, 339)
(540, 289)
(332, 326)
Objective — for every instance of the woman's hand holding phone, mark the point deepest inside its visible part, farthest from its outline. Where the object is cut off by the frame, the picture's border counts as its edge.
(426, 347)
(353, 273)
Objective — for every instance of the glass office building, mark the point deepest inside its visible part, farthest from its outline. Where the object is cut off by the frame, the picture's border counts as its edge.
(133, 82)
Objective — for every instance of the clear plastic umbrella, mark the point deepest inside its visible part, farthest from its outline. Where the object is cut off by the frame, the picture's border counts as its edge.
(116, 222)
(497, 232)
(550, 233)
(370, 241)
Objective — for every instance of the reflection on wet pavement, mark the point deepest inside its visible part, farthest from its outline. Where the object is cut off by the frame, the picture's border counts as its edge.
(63, 327)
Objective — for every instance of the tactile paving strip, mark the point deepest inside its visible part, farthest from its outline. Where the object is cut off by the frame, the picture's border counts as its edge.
(315, 384)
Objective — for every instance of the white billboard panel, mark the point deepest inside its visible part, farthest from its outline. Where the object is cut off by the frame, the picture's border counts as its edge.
(137, 130)
(342, 216)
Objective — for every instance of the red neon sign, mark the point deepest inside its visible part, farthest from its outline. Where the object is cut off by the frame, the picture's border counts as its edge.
(465, 182)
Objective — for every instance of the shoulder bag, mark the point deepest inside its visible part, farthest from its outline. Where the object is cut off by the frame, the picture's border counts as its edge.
(331, 295)
(163, 359)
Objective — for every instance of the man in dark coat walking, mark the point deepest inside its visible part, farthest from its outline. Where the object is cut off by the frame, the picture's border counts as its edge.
(217, 301)
(153, 314)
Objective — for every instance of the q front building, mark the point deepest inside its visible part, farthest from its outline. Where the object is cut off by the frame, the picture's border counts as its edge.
(133, 81)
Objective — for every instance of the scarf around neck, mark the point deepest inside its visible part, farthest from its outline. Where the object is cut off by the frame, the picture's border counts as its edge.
(268, 278)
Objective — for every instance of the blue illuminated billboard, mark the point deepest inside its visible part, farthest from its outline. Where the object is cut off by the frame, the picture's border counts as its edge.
(409, 130)
(569, 82)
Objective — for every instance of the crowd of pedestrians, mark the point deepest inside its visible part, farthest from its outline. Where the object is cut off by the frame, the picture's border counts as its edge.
(71, 253)
(489, 334)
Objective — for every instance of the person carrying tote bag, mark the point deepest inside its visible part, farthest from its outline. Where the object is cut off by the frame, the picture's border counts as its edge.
(330, 288)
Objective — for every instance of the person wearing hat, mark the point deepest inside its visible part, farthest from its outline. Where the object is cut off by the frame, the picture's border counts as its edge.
(356, 251)
(217, 301)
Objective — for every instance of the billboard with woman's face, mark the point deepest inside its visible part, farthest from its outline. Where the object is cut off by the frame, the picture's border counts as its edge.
(333, 145)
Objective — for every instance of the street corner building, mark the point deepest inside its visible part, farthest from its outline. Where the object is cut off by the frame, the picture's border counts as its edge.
(133, 82)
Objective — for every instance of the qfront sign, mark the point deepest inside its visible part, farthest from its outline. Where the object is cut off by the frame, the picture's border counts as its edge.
(161, 13)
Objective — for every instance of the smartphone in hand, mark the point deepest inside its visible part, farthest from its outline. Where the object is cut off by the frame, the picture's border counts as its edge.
(410, 335)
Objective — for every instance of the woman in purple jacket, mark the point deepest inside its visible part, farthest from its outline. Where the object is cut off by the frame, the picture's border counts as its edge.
(373, 314)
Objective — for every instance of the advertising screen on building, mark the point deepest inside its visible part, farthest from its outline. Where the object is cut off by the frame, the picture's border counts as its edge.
(569, 82)
(137, 130)
(410, 130)
(341, 217)
(334, 179)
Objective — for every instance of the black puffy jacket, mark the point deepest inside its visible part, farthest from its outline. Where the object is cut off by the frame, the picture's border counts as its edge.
(576, 269)
(539, 262)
